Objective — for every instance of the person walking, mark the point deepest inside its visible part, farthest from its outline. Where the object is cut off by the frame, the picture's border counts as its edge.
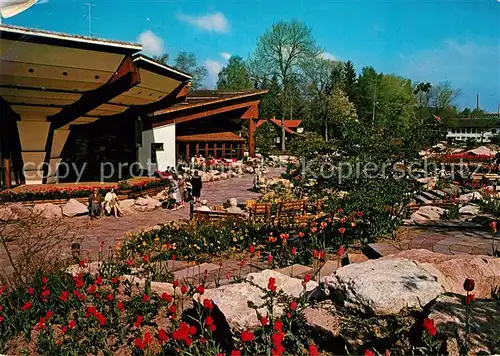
(196, 185)
(181, 186)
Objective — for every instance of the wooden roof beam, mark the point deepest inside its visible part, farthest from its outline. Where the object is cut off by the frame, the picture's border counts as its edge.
(125, 77)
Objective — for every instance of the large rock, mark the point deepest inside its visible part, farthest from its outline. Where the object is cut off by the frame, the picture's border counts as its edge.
(384, 287)
(127, 203)
(428, 212)
(471, 209)
(452, 270)
(206, 177)
(448, 314)
(47, 211)
(290, 286)
(146, 203)
(74, 208)
(470, 196)
(232, 300)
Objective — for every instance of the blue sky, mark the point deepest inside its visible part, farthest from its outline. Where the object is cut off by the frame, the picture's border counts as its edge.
(436, 40)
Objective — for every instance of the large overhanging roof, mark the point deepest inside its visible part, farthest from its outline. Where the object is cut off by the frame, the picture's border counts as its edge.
(52, 75)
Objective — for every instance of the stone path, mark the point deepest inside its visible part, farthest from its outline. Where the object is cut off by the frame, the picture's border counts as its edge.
(449, 241)
(110, 230)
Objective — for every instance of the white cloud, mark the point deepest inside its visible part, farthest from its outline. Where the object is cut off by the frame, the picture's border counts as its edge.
(215, 22)
(151, 43)
(225, 55)
(213, 68)
(329, 56)
(471, 66)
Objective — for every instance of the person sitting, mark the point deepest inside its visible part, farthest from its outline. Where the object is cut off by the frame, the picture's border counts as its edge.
(233, 207)
(95, 201)
(203, 206)
(111, 203)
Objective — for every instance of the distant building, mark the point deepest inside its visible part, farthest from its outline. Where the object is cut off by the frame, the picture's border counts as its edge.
(480, 129)
(292, 127)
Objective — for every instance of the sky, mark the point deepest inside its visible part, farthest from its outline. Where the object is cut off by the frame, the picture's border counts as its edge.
(425, 40)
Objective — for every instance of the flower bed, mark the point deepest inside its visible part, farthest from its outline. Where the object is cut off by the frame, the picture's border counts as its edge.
(64, 192)
(464, 157)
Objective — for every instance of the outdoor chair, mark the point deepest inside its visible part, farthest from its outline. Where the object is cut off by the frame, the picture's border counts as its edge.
(287, 212)
(260, 212)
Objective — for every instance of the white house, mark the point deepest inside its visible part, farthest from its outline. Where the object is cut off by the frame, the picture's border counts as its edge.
(481, 129)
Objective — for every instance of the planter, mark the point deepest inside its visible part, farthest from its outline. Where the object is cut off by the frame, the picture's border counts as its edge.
(125, 191)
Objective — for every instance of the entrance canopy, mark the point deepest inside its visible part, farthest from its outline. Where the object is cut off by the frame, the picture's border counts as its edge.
(73, 79)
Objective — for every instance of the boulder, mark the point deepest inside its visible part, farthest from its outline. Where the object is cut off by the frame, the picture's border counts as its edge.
(232, 299)
(153, 201)
(290, 286)
(48, 211)
(452, 270)
(448, 314)
(74, 208)
(7, 213)
(384, 287)
(223, 176)
(325, 317)
(206, 177)
(428, 212)
(141, 201)
(127, 203)
(470, 196)
(471, 209)
(163, 195)
(144, 208)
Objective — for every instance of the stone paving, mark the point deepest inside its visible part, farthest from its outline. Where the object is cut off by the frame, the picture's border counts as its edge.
(110, 230)
(449, 241)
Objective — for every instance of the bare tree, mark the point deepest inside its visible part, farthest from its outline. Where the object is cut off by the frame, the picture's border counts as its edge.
(280, 52)
(31, 241)
(442, 96)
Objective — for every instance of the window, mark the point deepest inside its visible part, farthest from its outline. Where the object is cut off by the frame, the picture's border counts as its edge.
(473, 130)
(155, 147)
(452, 130)
(468, 130)
(493, 131)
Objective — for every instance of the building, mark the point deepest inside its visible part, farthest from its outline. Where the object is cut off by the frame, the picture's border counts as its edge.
(480, 129)
(102, 109)
(292, 127)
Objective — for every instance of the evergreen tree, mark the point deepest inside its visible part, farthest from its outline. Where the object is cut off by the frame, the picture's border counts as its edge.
(234, 76)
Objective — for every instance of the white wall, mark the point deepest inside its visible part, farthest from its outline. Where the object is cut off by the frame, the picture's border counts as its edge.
(480, 135)
(166, 158)
(166, 135)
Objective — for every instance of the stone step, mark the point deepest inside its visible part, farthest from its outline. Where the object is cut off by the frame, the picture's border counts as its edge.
(439, 193)
(170, 265)
(295, 270)
(356, 258)
(328, 268)
(380, 249)
(195, 271)
(422, 200)
(428, 195)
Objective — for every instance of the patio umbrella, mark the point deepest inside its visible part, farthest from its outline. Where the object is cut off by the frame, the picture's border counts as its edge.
(9, 8)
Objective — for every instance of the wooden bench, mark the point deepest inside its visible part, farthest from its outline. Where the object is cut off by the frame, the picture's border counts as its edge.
(216, 215)
(260, 211)
(287, 212)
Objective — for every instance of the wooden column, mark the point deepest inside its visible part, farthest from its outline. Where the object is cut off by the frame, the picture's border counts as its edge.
(251, 138)
(176, 153)
(231, 149)
(215, 150)
(197, 148)
(206, 150)
(8, 181)
(223, 150)
(241, 149)
(187, 152)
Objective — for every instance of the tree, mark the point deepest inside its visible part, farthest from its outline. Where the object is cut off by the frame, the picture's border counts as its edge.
(281, 51)
(321, 77)
(162, 58)
(234, 76)
(367, 86)
(340, 111)
(443, 96)
(187, 62)
(350, 81)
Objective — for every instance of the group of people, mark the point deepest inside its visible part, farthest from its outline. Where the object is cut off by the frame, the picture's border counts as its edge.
(233, 207)
(97, 205)
(186, 190)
